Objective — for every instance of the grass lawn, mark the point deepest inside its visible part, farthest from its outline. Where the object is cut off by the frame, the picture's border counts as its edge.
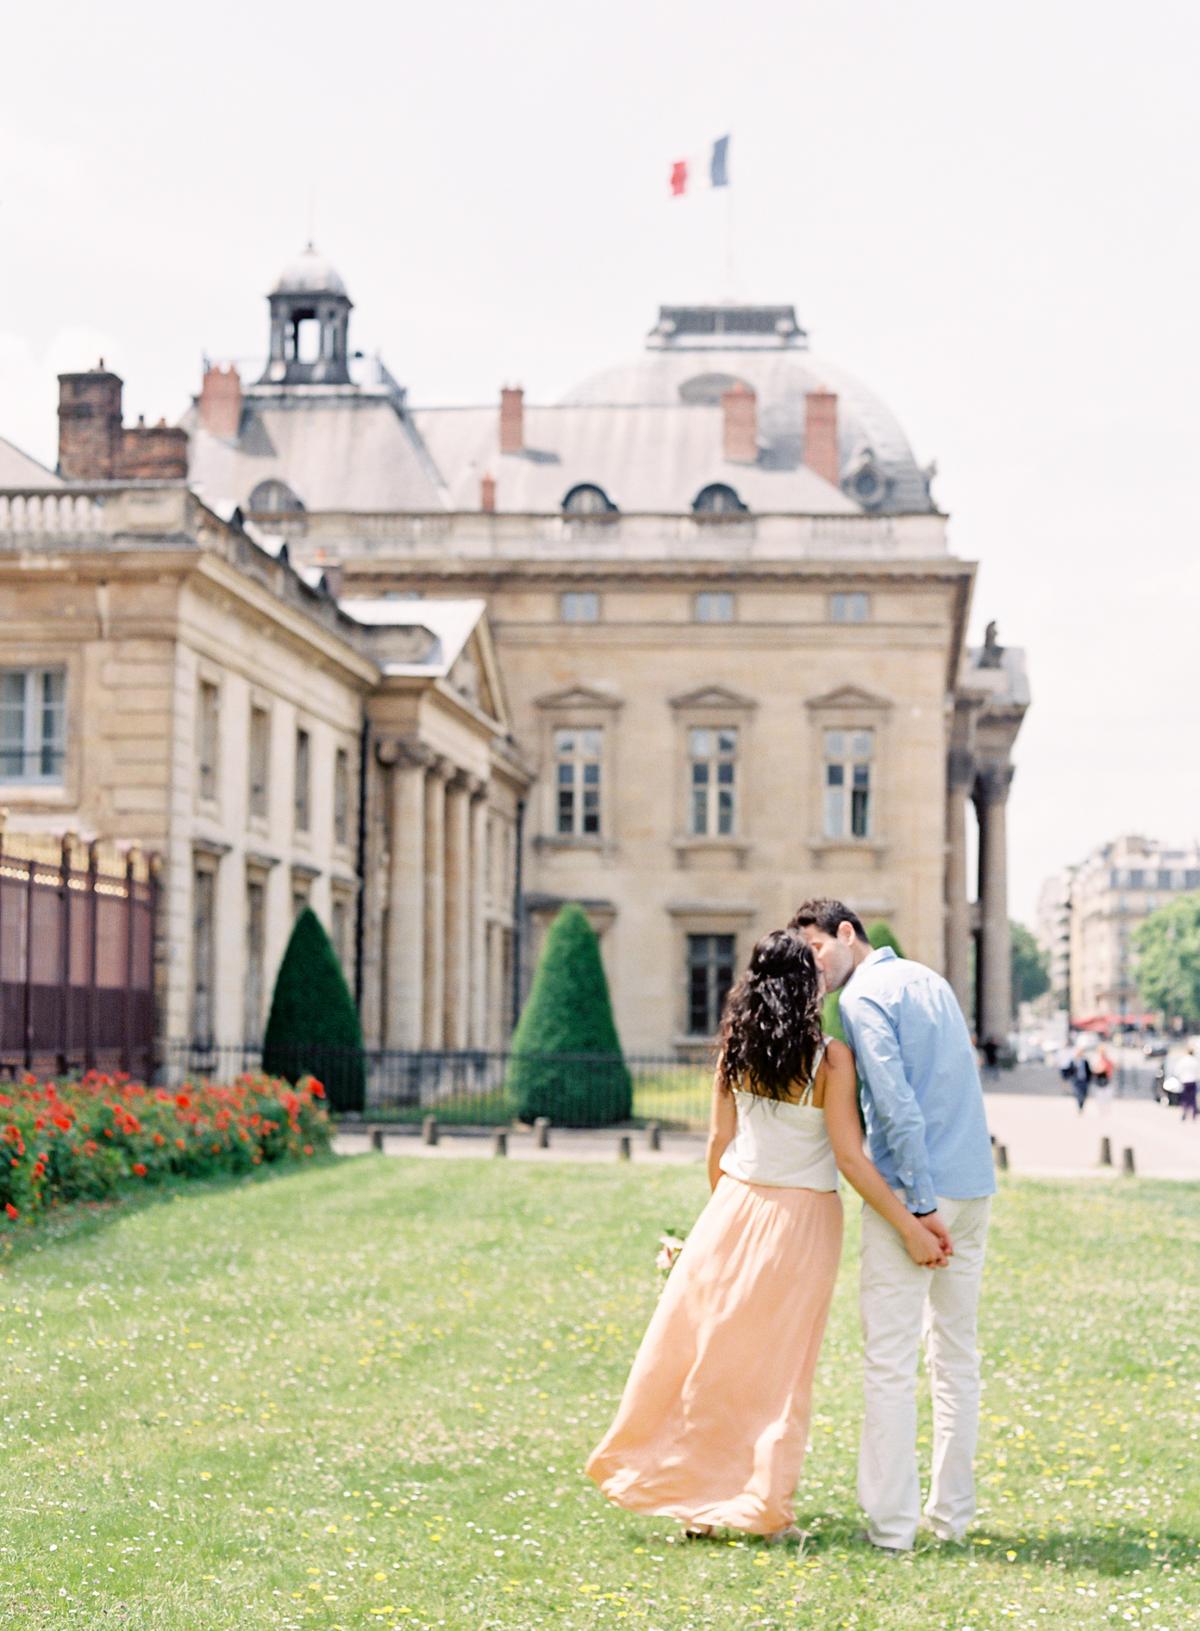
(360, 1396)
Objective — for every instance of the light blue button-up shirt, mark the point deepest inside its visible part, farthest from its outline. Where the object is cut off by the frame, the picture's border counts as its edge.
(922, 1098)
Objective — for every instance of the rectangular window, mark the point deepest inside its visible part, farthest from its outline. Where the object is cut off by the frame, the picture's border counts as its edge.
(852, 607)
(712, 770)
(714, 606)
(339, 924)
(301, 890)
(848, 756)
(710, 969)
(208, 737)
(32, 724)
(577, 755)
(341, 797)
(260, 762)
(204, 891)
(580, 607)
(256, 943)
(302, 780)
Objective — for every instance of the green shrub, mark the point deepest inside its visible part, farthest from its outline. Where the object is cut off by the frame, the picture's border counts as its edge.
(880, 934)
(569, 1012)
(313, 1025)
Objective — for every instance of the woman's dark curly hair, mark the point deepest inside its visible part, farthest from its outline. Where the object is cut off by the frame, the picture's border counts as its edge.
(771, 1027)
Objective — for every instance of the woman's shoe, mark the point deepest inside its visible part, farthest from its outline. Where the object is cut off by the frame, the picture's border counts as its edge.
(699, 1531)
(785, 1537)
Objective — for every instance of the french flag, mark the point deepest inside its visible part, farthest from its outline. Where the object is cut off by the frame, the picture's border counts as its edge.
(685, 171)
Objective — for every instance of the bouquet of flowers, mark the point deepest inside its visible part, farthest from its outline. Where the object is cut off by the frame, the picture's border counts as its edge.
(670, 1244)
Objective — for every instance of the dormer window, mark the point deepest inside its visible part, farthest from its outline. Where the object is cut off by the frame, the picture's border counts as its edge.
(274, 498)
(718, 499)
(587, 499)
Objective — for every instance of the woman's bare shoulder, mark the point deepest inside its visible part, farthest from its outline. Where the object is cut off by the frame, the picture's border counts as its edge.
(839, 1054)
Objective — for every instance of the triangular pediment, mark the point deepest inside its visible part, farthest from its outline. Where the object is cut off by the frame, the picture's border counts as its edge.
(848, 698)
(714, 697)
(578, 696)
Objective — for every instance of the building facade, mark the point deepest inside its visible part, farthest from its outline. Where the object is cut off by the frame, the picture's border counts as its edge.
(1113, 891)
(685, 647)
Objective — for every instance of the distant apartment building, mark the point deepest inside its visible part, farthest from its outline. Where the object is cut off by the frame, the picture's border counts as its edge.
(1112, 892)
(1053, 931)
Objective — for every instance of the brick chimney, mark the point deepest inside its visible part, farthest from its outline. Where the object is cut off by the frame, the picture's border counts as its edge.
(220, 401)
(89, 424)
(487, 494)
(821, 435)
(740, 407)
(153, 453)
(512, 419)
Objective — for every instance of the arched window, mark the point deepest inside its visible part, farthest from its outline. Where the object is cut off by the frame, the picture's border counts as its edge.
(717, 499)
(587, 499)
(274, 497)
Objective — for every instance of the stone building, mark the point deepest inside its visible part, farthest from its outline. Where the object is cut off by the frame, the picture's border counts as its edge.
(1113, 891)
(1053, 931)
(684, 647)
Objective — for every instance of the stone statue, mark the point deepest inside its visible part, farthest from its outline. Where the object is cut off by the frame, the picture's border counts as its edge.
(992, 655)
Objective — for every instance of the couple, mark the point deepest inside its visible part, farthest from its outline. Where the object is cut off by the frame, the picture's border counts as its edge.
(713, 1424)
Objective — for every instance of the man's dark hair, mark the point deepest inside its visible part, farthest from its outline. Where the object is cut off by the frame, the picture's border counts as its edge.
(825, 915)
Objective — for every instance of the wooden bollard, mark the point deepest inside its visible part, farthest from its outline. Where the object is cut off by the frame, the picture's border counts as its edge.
(377, 1139)
(653, 1136)
(541, 1132)
(1106, 1152)
(429, 1130)
(499, 1142)
(1002, 1157)
(624, 1148)
(1127, 1165)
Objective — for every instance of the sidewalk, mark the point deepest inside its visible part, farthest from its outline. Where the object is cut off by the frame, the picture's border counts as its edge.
(1045, 1138)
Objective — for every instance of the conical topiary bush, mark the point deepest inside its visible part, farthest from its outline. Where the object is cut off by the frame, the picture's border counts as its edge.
(569, 1012)
(313, 1027)
(880, 934)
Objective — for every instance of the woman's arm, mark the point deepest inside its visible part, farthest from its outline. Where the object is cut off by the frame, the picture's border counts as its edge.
(722, 1124)
(845, 1134)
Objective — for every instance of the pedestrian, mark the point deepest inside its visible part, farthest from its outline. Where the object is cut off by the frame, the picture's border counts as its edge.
(1104, 1075)
(1081, 1079)
(1188, 1072)
(1066, 1063)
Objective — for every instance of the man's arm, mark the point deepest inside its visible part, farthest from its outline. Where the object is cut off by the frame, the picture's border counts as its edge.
(877, 1051)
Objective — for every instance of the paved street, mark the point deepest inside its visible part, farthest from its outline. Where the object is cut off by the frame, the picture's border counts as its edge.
(1044, 1134)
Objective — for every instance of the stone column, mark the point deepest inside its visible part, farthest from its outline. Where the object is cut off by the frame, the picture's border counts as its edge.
(458, 912)
(994, 1017)
(479, 904)
(433, 992)
(958, 926)
(374, 889)
(404, 1002)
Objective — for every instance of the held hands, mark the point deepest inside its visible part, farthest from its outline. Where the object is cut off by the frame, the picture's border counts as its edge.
(929, 1248)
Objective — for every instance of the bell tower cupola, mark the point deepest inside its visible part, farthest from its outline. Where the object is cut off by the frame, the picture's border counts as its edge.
(310, 321)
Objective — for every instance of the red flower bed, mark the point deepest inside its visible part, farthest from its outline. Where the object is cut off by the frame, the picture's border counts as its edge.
(80, 1140)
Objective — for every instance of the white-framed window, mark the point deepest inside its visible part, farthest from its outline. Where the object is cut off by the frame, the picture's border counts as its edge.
(579, 606)
(713, 606)
(303, 779)
(712, 780)
(711, 966)
(32, 724)
(848, 760)
(851, 606)
(259, 762)
(578, 757)
(208, 739)
(341, 797)
(339, 929)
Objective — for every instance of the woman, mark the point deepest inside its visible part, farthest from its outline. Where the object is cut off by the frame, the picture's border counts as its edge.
(713, 1423)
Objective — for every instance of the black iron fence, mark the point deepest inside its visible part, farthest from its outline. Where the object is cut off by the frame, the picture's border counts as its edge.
(474, 1087)
(76, 956)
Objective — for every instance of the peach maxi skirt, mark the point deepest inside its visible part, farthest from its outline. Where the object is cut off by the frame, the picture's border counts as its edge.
(713, 1423)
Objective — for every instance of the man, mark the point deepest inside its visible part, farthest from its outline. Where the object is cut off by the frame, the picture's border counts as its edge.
(1188, 1072)
(923, 1106)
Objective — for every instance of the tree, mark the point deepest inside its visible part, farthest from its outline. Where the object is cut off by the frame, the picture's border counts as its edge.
(313, 1026)
(568, 1012)
(1168, 959)
(1030, 967)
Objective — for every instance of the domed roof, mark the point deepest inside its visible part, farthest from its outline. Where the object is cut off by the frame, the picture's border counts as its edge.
(309, 273)
(696, 353)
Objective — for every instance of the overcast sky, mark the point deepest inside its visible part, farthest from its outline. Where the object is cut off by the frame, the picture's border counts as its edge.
(986, 212)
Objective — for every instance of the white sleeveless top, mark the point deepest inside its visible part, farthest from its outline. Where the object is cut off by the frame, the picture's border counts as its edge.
(780, 1143)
